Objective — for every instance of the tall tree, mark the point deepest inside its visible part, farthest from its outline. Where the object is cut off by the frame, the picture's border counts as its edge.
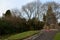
(31, 9)
(51, 20)
(55, 7)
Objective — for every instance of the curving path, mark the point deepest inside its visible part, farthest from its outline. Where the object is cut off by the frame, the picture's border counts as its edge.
(44, 35)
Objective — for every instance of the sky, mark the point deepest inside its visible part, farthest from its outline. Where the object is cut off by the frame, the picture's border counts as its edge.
(10, 4)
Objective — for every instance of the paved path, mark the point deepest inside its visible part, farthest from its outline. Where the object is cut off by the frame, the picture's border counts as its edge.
(44, 35)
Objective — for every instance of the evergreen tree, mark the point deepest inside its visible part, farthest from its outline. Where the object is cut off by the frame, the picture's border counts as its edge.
(8, 13)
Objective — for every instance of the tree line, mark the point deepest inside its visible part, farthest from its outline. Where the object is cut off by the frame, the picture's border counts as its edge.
(11, 24)
(28, 18)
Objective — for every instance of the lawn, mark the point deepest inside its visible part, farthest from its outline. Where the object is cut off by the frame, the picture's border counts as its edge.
(22, 35)
(57, 37)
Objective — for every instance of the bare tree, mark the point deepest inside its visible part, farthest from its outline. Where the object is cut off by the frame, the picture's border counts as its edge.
(55, 6)
(36, 10)
(28, 10)
(31, 9)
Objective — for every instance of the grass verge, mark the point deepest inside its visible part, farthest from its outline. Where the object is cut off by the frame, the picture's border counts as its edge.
(57, 36)
(22, 35)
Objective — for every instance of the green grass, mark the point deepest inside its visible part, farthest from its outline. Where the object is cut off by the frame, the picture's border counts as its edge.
(22, 35)
(57, 37)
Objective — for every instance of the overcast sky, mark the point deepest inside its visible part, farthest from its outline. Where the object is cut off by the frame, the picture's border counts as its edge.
(10, 4)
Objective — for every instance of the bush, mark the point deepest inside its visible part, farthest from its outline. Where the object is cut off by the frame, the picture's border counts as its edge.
(11, 26)
(17, 25)
(35, 24)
